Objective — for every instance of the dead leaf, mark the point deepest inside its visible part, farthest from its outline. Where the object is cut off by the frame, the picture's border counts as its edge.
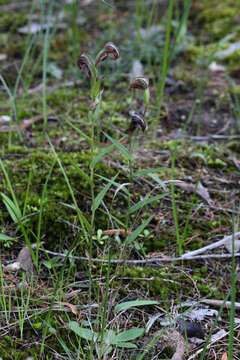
(224, 356)
(228, 246)
(4, 119)
(201, 190)
(228, 51)
(73, 293)
(25, 260)
(219, 335)
(116, 231)
(200, 314)
(216, 67)
(3, 57)
(12, 267)
(236, 320)
(34, 28)
(174, 340)
(72, 307)
(24, 124)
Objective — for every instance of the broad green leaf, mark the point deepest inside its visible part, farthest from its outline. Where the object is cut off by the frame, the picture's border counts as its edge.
(128, 335)
(98, 199)
(126, 345)
(12, 209)
(134, 303)
(138, 231)
(83, 332)
(119, 146)
(149, 171)
(144, 202)
(110, 337)
(95, 89)
(93, 68)
(4, 237)
(9, 185)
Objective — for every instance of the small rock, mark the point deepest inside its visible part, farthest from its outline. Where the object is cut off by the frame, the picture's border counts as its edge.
(25, 259)
(13, 267)
(192, 329)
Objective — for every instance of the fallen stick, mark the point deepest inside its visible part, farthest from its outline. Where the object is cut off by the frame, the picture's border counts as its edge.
(145, 261)
(219, 303)
(225, 240)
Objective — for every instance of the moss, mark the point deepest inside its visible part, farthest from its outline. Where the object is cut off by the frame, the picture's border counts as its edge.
(234, 146)
(217, 17)
(57, 192)
(11, 21)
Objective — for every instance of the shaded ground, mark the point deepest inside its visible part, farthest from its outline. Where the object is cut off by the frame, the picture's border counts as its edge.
(193, 135)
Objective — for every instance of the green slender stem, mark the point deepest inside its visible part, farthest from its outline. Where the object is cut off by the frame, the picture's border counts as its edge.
(44, 65)
(131, 160)
(130, 166)
(175, 216)
(165, 54)
(92, 169)
(145, 110)
(233, 299)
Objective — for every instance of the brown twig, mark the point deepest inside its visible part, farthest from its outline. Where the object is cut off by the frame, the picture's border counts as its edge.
(225, 240)
(219, 303)
(145, 261)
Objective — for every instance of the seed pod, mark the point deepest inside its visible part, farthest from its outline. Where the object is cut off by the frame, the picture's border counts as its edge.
(137, 122)
(139, 82)
(84, 64)
(109, 49)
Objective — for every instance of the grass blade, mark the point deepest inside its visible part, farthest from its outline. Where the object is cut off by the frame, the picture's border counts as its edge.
(138, 231)
(82, 219)
(144, 202)
(98, 199)
(120, 147)
(128, 335)
(134, 303)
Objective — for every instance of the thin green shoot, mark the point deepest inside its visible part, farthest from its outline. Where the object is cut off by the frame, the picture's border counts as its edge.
(174, 206)
(44, 64)
(58, 285)
(13, 114)
(129, 240)
(4, 297)
(105, 299)
(30, 175)
(82, 219)
(165, 64)
(42, 203)
(23, 306)
(233, 299)
(98, 199)
(14, 210)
